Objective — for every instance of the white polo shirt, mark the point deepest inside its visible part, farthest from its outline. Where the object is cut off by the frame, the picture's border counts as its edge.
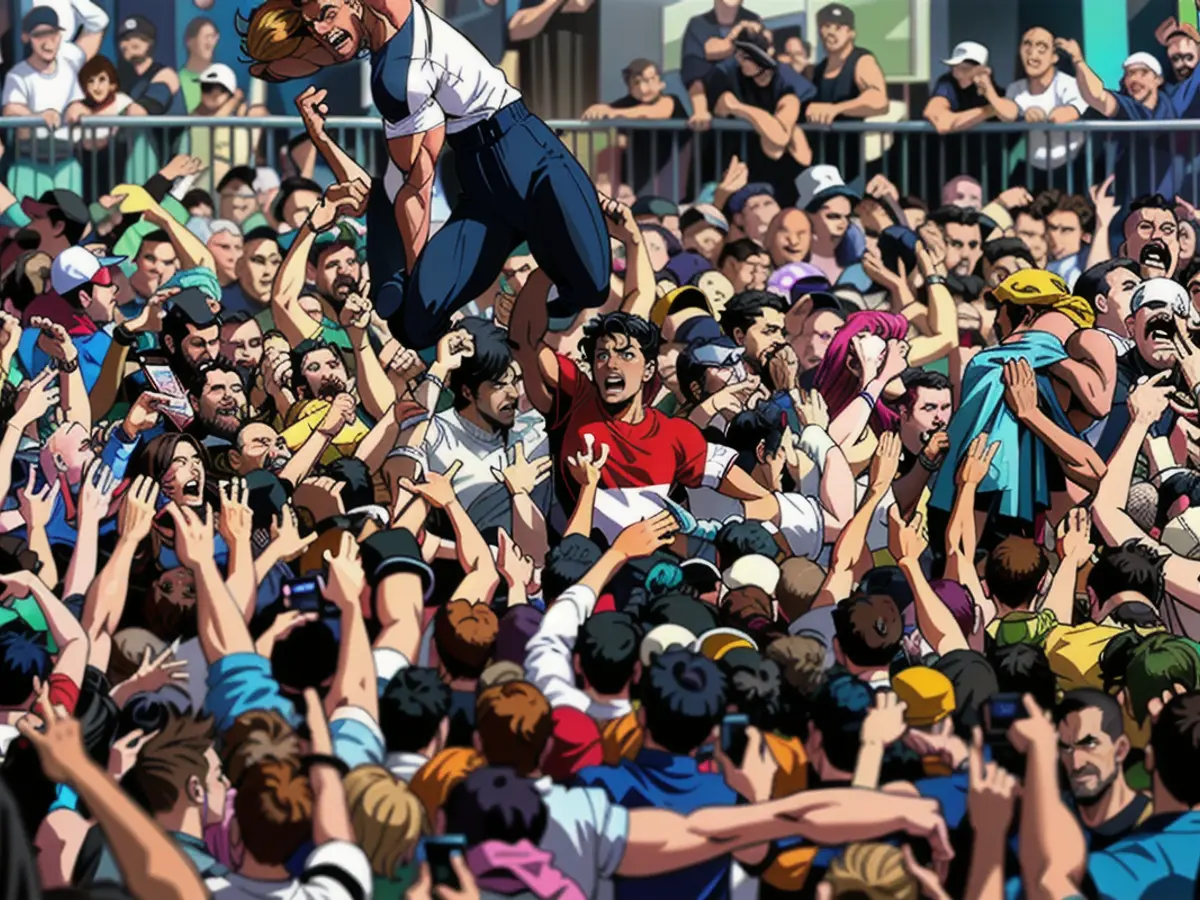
(40, 91)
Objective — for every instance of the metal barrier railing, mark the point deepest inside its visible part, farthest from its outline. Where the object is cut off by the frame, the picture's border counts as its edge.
(658, 157)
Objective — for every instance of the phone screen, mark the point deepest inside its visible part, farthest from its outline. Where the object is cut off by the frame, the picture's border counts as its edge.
(164, 381)
(733, 737)
(438, 850)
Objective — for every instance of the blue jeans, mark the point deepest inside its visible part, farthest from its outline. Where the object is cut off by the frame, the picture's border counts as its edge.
(519, 183)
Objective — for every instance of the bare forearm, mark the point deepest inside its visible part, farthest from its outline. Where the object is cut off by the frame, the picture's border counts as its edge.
(191, 250)
(850, 423)
(985, 877)
(74, 399)
(1079, 460)
(585, 510)
(473, 552)
(934, 618)
(108, 384)
(1060, 599)
(942, 321)
(640, 285)
(871, 102)
(68, 634)
(152, 865)
(1091, 88)
(241, 581)
(1108, 507)
(1051, 840)
(775, 135)
(849, 547)
(529, 528)
(1006, 110)
(344, 166)
(354, 682)
(223, 631)
(837, 493)
(302, 462)
(39, 543)
(374, 388)
(1099, 250)
(295, 324)
(331, 818)
(528, 23)
(868, 766)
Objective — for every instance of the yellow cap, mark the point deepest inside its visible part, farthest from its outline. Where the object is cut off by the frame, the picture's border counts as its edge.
(1037, 287)
(715, 643)
(662, 306)
(928, 693)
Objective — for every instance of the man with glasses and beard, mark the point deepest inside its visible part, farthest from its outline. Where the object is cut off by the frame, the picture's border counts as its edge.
(1092, 747)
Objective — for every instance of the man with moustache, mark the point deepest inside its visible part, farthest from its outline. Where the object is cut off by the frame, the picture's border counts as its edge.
(1092, 747)
(1152, 236)
(1155, 308)
(925, 410)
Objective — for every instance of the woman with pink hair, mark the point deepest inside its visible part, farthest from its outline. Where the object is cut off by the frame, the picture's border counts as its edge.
(867, 353)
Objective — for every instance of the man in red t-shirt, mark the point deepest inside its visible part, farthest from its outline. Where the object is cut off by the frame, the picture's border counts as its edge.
(649, 454)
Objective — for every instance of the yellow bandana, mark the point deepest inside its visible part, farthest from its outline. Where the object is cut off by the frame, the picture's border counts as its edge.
(1037, 287)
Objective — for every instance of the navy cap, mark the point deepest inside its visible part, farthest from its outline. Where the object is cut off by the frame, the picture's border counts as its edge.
(701, 328)
(738, 199)
(40, 17)
(659, 207)
(192, 304)
(835, 14)
(136, 25)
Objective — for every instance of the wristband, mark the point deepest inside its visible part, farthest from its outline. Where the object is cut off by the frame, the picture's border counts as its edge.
(324, 759)
(927, 464)
(935, 279)
(68, 366)
(429, 376)
(866, 395)
(124, 336)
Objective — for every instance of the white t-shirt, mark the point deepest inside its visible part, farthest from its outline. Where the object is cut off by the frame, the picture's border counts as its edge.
(116, 106)
(348, 860)
(1049, 151)
(40, 91)
(449, 80)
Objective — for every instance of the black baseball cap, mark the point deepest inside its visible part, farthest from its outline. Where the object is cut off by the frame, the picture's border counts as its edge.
(757, 46)
(835, 14)
(138, 26)
(40, 17)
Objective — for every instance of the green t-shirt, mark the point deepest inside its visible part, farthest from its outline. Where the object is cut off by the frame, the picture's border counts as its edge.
(189, 84)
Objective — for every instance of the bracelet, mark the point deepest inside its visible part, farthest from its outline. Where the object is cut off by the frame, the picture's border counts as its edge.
(866, 395)
(68, 366)
(323, 759)
(935, 279)
(429, 376)
(123, 336)
(928, 464)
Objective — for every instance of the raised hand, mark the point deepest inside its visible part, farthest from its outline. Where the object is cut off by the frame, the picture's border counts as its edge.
(124, 753)
(345, 580)
(886, 462)
(906, 540)
(343, 410)
(285, 535)
(356, 312)
(155, 672)
(60, 746)
(1148, 402)
(38, 506)
(977, 461)
(150, 318)
(349, 199)
(321, 496)
(586, 465)
(784, 368)
(193, 535)
(235, 521)
(812, 410)
(54, 340)
(313, 110)
(1020, 388)
(992, 791)
(619, 219)
(1075, 535)
(454, 347)
(37, 397)
(642, 539)
(522, 475)
(895, 360)
(516, 567)
(884, 723)
(437, 489)
(96, 491)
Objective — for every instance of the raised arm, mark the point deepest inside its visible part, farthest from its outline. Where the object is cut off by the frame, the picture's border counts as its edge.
(35, 398)
(1079, 460)
(527, 336)
(640, 285)
(57, 344)
(530, 22)
(941, 317)
(223, 630)
(354, 681)
(1091, 85)
(234, 524)
(311, 104)
(1075, 550)
(961, 537)
(480, 578)
(1106, 213)
(991, 802)
(37, 508)
(839, 580)
(586, 466)
(152, 865)
(297, 325)
(192, 251)
(521, 478)
(934, 618)
(850, 423)
(105, 603)
(374, 387)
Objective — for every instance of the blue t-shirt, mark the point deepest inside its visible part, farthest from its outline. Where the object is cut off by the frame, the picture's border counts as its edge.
(960, 98)
(668, 781)
(1158, 860)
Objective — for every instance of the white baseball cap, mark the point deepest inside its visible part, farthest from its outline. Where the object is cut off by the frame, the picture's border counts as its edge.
(1162, 292)
(754, 570)
(1142, 58)
(662, 638)
(816, 184)
(77, 266)
(219, 73)
(266, 179)
(967, 51)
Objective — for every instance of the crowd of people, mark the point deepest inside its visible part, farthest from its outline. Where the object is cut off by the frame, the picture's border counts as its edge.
(850, 547)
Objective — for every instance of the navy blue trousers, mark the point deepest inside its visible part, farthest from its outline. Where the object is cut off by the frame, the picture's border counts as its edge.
(519, 183)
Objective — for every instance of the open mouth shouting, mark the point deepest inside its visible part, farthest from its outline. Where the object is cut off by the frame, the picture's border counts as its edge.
(191, 490)
(1155, 259)
(613, 386)
(1161, 329)
(337, 39)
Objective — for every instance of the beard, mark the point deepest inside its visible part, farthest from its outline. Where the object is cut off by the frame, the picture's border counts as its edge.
(223, 423)
(1094, 795)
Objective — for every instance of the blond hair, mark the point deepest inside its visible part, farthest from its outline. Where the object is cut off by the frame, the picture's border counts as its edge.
(875, 871)
(434, 781)
(274, 31)
(388, 818)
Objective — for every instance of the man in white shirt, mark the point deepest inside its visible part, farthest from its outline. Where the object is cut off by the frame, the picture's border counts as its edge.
(1045, 94)
(47, 82)
(484, 429)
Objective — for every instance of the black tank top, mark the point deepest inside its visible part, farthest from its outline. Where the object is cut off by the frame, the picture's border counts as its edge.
(842, 87)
